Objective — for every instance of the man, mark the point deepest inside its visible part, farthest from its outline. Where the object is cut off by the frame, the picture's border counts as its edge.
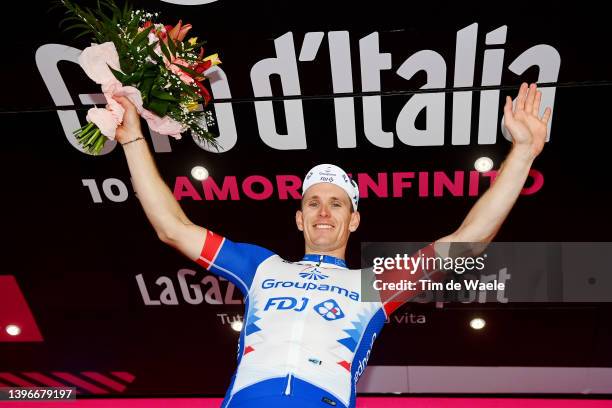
(307, 333)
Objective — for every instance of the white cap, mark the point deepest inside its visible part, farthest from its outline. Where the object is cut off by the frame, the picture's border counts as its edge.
(329, 173)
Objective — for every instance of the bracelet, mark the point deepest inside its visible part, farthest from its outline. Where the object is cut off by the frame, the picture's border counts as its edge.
(138, 138)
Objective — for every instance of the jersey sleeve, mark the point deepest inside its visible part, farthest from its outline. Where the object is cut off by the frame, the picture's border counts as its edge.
(392, 299)
(236, 262)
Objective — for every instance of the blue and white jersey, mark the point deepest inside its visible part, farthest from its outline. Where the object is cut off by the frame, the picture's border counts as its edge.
(307, 333)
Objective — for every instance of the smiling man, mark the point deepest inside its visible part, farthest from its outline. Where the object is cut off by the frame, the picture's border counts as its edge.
(308, 332)
(329, 210)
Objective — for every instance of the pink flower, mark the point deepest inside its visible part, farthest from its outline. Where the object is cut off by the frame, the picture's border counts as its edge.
(175, 67)
(94, 61)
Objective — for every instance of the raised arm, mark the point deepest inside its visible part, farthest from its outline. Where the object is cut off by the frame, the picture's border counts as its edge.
(528, 132)
(161, 208)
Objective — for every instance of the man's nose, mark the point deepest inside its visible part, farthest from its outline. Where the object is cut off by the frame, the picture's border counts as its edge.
(323, 211)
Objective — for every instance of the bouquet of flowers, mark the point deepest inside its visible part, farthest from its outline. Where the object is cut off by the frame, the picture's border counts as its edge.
(150, 63)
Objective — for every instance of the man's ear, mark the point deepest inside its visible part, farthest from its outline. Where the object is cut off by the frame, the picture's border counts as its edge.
(299, 220)
(355, 220)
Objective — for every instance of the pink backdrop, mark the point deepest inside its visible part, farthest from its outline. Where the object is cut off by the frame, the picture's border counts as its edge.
(364, 402)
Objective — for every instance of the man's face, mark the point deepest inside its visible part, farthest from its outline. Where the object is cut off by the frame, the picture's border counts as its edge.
(326, 217)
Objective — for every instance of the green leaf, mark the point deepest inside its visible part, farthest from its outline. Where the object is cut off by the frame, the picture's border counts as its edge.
(189, 90)
(69, 18)
(55, 5)
(158, 107)
(121, 77)
(165, 50)
(205, 136)
(145, 88)
(132, 25)
(112, 7)
(103, 17)
(141, 37)
(171, 45)
(151, 67)
(136, 77)
(149, 73)
(163, 95)
(81, 34)
(79, 25)
(153, 54)
(188, 70)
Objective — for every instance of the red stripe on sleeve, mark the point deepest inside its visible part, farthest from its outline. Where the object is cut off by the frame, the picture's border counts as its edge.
(392, 299)
(210, 249)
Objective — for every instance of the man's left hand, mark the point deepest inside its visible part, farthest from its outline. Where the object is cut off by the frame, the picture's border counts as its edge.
(527, 128)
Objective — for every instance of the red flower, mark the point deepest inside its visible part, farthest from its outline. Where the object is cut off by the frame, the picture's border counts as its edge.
(179, 31)
(202, 66)
(204, 92)
(176, 33)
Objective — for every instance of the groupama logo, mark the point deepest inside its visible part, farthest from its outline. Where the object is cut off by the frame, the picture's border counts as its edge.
(313, 274)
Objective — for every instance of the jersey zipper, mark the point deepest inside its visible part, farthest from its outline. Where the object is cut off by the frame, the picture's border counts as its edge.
(297, 333)
(288, 387)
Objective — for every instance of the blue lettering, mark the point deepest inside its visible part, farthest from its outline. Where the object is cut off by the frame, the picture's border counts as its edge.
(286, 303)
(304, 303)
(281, 303)
(273, 283)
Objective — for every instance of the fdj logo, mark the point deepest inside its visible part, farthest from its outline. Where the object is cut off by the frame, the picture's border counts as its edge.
(286, 303)
(329, 310)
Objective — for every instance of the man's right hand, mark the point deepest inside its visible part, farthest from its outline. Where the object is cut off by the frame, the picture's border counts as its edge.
(130, 127)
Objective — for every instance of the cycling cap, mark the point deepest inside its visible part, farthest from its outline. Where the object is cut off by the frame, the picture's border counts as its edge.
(329, 173)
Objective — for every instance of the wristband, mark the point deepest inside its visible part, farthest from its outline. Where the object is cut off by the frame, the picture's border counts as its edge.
(131, 141)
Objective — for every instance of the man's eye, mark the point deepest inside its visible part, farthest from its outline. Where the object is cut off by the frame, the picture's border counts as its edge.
(312, 204)
(336, 204)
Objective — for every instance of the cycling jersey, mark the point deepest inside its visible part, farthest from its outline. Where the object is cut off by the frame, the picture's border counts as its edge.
(307, 332)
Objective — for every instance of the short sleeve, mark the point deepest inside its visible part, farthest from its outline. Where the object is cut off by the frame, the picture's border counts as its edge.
(236, 262)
